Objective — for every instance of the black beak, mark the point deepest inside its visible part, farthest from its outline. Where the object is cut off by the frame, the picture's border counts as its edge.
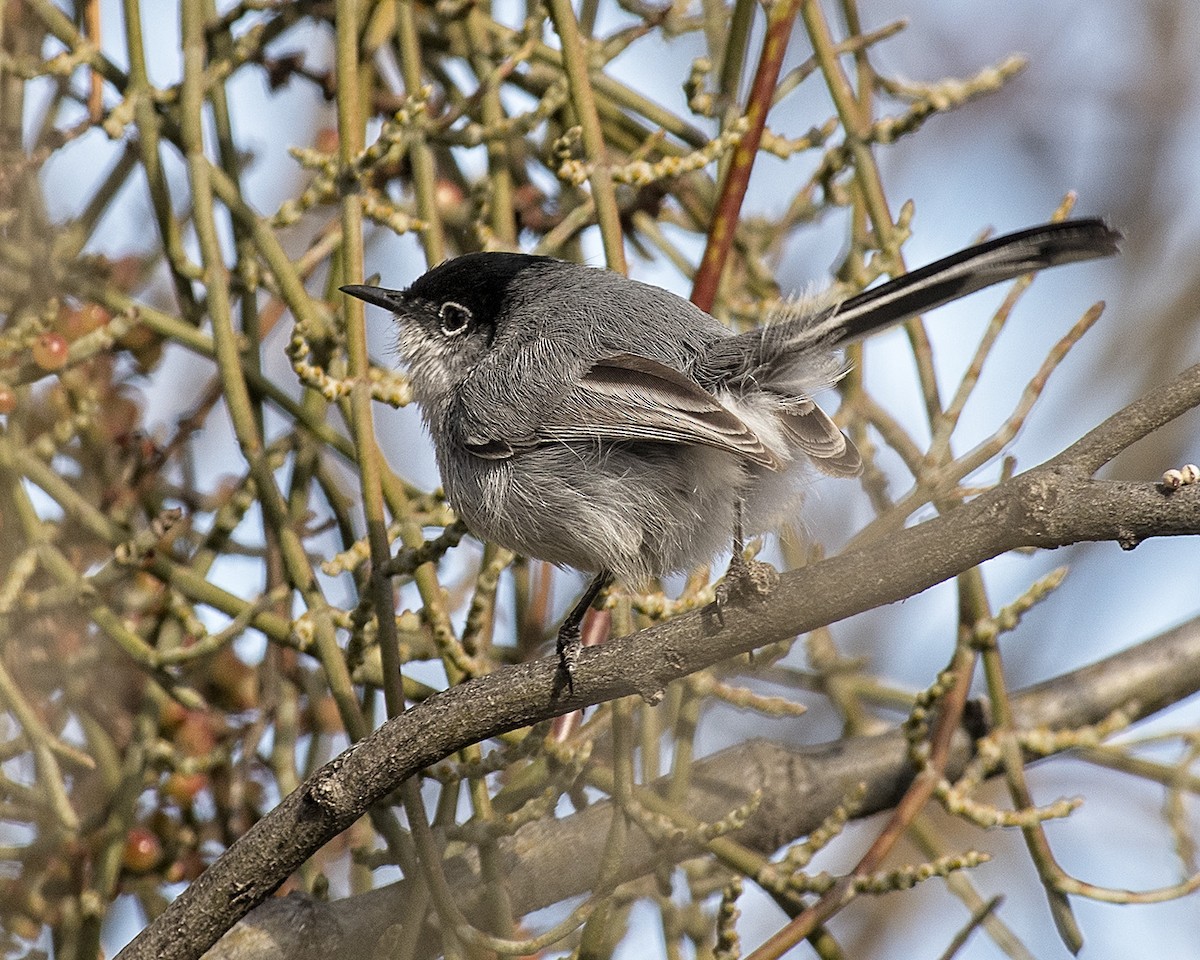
(379, 296)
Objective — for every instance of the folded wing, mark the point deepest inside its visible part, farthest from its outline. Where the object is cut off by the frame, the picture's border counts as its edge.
(633, 398)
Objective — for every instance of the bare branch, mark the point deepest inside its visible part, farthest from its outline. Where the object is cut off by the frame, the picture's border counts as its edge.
(551, 860)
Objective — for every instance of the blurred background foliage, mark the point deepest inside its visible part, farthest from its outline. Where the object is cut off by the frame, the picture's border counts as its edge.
(189, 464)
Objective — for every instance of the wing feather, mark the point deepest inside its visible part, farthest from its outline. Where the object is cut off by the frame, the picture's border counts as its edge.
(832, 452)
(631, 397)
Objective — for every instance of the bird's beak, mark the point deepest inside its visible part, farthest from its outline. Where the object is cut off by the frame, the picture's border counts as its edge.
(379, 296)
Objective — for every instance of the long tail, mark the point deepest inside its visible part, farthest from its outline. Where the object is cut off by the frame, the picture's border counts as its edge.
(963, 273)
(783, 350)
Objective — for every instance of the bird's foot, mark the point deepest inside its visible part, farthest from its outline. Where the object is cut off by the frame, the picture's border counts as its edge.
(746, 581)
(569, 646)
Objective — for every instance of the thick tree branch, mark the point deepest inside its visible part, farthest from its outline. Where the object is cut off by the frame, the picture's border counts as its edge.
(1049, 506)
(552, 860)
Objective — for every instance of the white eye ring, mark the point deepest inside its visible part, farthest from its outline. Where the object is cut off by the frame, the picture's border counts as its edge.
(455, 318)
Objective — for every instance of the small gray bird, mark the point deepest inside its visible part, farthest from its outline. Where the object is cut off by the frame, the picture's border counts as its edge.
(604, 424)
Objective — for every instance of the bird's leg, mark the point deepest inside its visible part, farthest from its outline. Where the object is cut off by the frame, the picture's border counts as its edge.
(569, 644)
(745, 579)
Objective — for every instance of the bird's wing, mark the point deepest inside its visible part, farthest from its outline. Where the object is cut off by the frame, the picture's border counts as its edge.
(630, 397)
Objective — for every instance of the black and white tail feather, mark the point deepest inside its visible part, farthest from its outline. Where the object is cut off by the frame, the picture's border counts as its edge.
(782, 354)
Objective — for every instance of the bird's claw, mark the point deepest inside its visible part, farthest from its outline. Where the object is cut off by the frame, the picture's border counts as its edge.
(569, 646)
(746, 581)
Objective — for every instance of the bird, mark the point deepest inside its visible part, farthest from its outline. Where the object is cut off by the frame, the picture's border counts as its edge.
(608, 425)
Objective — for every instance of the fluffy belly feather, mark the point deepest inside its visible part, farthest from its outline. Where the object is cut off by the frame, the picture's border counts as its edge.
(638, 510)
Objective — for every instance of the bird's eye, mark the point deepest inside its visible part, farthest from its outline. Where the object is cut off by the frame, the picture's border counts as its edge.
(455, 318)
